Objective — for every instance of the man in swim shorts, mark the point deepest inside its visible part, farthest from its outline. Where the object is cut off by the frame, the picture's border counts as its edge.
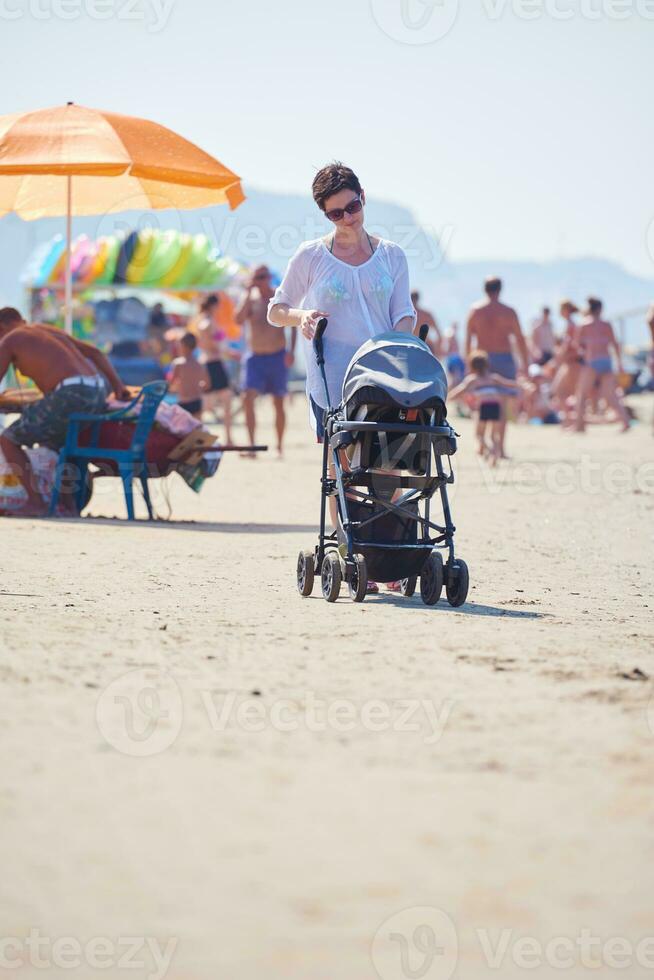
(266, 363)
(493, 327)
(74, 377)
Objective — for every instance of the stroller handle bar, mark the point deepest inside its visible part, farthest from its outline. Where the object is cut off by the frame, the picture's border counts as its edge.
(436, 430)
(317, 340)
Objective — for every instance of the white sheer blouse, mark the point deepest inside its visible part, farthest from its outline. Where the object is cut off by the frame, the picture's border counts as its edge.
(362, 301)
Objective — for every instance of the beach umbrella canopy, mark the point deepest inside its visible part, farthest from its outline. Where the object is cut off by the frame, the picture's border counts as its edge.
(70, 160)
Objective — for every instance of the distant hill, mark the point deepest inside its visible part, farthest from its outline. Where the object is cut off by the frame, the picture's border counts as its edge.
(269, 227)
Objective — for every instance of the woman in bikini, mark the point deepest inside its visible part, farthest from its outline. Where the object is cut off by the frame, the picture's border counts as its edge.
(360, 282)
(596, 340)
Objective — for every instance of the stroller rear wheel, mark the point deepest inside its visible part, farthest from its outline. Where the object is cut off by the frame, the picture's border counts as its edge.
(431, 579)
(305, 573)
(457, 583)
(331, 576)
(408, 585)
(358, 584)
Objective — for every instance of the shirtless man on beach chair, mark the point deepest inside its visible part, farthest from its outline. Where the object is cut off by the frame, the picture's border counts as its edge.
(74, 377)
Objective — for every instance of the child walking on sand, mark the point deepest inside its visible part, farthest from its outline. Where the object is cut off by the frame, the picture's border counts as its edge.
(488, 393)
(189, 379)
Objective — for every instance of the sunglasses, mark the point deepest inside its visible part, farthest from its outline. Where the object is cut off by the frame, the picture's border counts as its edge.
(337, 214)
(262, 275)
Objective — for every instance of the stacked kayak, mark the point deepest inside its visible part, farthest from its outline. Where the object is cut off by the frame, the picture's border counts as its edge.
(150, 258)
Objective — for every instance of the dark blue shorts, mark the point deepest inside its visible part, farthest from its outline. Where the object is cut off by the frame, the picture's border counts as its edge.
(265, 373)
(218, 379)
(193, 407)
(504, 364)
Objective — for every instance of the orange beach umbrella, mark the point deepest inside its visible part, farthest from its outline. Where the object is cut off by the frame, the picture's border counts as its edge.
(119, 163)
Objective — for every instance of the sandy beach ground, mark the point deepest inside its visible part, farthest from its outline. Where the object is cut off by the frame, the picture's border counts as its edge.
(207, 775)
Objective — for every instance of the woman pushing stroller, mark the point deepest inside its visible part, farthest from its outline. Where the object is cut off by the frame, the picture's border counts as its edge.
(349, 294)
(360, 282)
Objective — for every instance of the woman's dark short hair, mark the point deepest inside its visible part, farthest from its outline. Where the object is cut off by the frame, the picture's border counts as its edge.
(595, 305)
(189, 340)
(331, 179)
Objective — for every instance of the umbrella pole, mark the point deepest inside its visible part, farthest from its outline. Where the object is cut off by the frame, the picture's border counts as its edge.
(68, 300)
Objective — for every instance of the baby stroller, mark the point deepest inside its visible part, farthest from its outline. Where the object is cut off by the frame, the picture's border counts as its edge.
(386, 442)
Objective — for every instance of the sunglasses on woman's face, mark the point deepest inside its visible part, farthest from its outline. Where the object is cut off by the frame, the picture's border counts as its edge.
(337, 214)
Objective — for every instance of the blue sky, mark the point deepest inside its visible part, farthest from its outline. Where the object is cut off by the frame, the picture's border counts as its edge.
(517, 134)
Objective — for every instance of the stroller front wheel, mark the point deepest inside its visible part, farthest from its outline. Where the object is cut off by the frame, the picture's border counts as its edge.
(331, 576)
(358, 584)
(408, 585)
(431, 579)
(305, 573)
(458, 581)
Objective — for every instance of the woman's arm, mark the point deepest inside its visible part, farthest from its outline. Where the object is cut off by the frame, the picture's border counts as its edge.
(284, 307)
(282, 315)
(402, 314)
(405, 325)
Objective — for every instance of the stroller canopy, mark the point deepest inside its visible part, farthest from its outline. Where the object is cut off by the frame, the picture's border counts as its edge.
(394, 369)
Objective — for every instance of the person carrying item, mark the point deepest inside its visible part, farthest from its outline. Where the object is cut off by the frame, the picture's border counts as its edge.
(73, 375)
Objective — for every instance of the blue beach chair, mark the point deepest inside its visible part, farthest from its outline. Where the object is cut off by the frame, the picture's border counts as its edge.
(131, 462)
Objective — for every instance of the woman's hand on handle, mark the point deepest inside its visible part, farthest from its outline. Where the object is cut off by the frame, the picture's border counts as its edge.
(309, 322)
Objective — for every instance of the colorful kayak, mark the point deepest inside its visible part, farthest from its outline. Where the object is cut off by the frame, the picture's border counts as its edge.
(174, 274)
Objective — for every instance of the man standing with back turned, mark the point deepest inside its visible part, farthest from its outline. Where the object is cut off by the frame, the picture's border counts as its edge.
(493, 327)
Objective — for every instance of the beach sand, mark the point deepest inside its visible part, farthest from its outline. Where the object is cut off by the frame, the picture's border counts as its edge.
(290, 789)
